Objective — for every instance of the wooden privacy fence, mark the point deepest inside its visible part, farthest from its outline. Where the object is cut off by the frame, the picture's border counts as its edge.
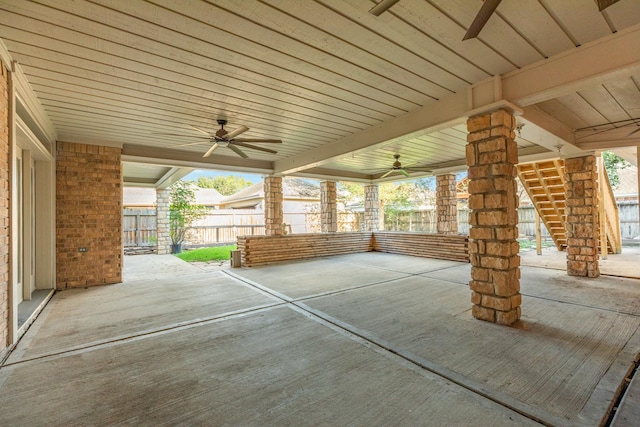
(139, 227)
(422, 221)
(221, 234)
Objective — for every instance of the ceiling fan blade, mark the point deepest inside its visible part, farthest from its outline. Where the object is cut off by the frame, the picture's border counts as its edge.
(183, 135)
(202, 131)
(254, 147)
(487, 9)
(211, 150)
(236, 132)
(238, 151)
(388, 173)
(191, 143)
(404, 172)
(418, 169)
(272, 141)
(603, 4)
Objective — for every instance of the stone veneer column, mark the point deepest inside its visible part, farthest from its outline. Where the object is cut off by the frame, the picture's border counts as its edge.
(328, 207)
(493, 249)
(446, 204)
(273, 215)
(581, 188)
(163, 236)
(371, 208)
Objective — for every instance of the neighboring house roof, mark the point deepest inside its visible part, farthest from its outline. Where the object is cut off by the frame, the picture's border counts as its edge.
(208, 197)
(247, 197)
(297, 188)
(292, 189)
(628, 182)
(138, 196)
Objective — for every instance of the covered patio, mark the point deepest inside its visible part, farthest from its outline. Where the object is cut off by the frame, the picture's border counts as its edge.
(356, 345)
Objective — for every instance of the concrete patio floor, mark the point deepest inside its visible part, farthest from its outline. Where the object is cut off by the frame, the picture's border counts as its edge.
(363, 339)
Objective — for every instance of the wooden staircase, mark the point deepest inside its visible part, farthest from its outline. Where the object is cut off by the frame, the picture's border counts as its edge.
(544, 182)
(609, 214)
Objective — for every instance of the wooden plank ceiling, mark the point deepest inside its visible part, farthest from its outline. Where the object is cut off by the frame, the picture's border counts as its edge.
(308, 72)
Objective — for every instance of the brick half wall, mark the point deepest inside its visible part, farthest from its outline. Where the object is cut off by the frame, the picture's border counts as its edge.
(88, 215)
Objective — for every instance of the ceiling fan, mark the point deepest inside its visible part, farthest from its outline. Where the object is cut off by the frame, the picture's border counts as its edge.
(489, 6)
(397, 167)
(222, 138)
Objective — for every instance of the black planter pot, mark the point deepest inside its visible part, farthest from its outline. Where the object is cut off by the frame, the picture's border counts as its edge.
(176, 249)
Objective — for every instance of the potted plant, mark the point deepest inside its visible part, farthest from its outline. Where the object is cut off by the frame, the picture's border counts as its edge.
(183, 212)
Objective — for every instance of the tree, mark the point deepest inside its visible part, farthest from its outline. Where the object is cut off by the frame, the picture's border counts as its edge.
(350, 192)
(226, 185)
(612, 164)
(183, 211)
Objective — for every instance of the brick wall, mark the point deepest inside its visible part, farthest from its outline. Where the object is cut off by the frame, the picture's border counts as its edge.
(4, 208)
(89, 215)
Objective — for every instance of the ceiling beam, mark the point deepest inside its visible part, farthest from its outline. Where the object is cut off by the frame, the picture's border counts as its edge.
(538, 127)
(178, 158)
(593, 63)
(608, 142)
(612, 57)
(172, 176)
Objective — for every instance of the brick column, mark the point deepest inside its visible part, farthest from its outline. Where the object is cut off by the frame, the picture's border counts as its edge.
(495, 265)
(328, 207)
(273, 215)
(163, 236)
(371, 208)
(582, 224)
(88, 215)
(446, 204)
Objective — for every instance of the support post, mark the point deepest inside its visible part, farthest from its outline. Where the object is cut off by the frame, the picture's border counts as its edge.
(371, 208)
(582, 225)
(273, 214)
(492, 154)
(538, 232)
(604, 253)
(163, 237)
(328, 207)
(446, 204)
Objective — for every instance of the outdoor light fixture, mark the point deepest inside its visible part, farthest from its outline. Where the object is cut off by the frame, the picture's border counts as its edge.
(378, 9)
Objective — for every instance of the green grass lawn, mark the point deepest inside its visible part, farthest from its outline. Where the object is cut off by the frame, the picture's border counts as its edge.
(531, 244)
(216, 253)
